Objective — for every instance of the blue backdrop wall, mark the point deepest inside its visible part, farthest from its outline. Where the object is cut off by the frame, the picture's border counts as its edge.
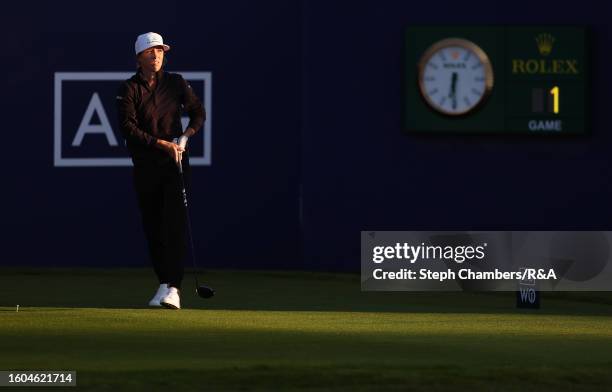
(307, 148)
(244, 206)
(361, 173)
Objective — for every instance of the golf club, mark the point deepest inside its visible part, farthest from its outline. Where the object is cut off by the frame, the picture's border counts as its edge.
(202, 290)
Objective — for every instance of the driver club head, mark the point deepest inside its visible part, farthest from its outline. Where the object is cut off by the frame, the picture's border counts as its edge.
(205, 291)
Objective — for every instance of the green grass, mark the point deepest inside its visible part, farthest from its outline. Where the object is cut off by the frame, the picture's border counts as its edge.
(298, 331)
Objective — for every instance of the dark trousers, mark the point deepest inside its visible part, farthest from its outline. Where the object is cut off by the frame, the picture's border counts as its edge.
(158, 188)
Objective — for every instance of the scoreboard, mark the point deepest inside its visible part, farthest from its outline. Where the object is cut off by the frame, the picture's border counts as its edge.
(511, 80)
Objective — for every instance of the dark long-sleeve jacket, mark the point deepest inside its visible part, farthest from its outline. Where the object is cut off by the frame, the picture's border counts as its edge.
(147, 114)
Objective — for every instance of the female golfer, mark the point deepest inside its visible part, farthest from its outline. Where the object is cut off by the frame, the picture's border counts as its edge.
(150, 105)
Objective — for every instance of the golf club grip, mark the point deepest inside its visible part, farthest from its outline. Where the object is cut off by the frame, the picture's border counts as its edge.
(182, 142)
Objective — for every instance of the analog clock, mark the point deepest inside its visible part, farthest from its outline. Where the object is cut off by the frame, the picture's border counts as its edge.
(455, 76)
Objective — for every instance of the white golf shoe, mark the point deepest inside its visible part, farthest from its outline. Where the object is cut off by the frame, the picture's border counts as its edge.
(172, 300)
(161, 293)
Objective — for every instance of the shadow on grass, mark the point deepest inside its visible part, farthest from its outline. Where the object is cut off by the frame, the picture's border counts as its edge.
(266, 291)
(353, 378)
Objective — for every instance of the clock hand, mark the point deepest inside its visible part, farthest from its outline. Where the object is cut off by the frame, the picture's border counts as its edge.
(453, 90)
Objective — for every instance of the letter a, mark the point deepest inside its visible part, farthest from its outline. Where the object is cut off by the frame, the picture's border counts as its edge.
(95, 105)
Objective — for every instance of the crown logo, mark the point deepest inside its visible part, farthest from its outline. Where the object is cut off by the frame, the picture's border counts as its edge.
(545, 43)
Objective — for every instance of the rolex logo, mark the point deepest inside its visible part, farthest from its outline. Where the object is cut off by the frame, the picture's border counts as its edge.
(545, 43)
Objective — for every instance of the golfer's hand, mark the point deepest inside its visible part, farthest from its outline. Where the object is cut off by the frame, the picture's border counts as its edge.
(174, 150)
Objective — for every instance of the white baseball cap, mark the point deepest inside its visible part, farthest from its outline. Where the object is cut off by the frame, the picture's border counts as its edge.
(148, 40)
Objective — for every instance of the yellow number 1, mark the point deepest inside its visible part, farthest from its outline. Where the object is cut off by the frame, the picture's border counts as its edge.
(555, 93)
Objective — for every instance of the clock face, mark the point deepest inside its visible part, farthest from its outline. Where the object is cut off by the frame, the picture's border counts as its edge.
(455, 76)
